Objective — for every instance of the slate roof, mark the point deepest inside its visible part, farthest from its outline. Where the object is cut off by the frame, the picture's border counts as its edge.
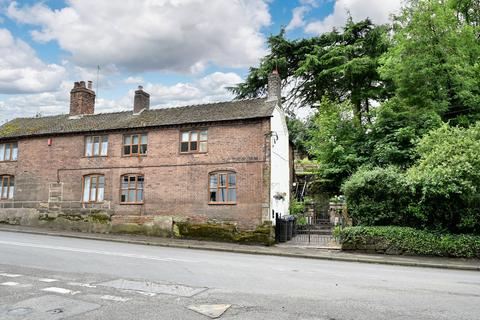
(63, 124)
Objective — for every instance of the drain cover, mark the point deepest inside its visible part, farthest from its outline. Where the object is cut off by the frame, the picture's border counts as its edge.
(19, 311)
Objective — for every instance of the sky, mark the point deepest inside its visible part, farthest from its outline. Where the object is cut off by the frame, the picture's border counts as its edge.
(181, 51)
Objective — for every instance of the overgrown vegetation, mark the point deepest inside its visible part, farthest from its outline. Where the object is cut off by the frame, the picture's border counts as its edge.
(397, 119)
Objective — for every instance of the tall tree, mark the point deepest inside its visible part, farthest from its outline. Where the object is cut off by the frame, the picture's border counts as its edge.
(339, 65)
(434, 60)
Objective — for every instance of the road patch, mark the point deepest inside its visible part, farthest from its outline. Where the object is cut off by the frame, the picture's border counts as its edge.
(48, 307)
(152, 287)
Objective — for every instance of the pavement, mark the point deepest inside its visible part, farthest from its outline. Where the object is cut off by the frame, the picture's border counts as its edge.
(47, 277)
(277, 250)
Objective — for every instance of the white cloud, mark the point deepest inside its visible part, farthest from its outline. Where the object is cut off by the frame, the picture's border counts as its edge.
(134, 80)
(378, 11)
(21, 71)
(140, 35)
(210, 88)
(297, 19)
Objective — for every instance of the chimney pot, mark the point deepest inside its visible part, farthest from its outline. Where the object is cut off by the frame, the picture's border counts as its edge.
(140, 87)
(89, 84)
(82, 99)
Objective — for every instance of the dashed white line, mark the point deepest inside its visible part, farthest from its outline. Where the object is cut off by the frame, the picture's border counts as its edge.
(10, 275)
(78, 284)
(114, 298)
(15, 284)
(60, 290)
(47, 280)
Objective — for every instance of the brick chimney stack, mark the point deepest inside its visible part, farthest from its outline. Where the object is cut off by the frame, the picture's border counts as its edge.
(141, 100)
(82, 99)
(274, 87)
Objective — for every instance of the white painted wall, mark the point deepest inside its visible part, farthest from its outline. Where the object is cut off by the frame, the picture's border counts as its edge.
(280, 168)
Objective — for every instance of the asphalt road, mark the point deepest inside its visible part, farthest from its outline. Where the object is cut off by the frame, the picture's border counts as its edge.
(45, 277)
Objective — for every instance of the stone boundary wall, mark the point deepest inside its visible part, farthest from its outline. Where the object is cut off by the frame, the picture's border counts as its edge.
(104, 221)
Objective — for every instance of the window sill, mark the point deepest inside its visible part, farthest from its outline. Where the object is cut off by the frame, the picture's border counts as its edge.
(132, 203)
(134, 156)
(194, 152)
(7, 161)
(222, 203)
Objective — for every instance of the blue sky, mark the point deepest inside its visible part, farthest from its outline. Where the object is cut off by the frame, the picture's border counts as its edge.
(181, 51)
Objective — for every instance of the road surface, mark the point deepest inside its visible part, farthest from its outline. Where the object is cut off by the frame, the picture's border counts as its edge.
(46, 277)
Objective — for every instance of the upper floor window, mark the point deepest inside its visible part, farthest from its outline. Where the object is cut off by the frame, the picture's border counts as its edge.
(96, 146)
(7, 187)
(132, 186)
(194, 141)
(93, 188)
(8, 151)
(135, 144)
(223, 188)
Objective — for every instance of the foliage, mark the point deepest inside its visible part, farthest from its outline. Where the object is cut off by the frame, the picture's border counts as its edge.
(299, 133)
(447, 178)
(378, 196)
(391, 101)
(297, 207)
(335, 143)
(410, 241)
(392, 137)
(338, 65)
(434, 60)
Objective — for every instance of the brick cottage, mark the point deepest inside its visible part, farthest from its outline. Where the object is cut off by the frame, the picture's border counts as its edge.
(219, 163)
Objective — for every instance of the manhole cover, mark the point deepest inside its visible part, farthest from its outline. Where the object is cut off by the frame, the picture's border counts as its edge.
(19, 311)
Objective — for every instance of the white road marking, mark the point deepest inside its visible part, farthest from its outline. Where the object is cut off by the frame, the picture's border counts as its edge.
(9, 284)
(114, 298)
(108, 253)
(78, 284)
(10, 275)
(47, 280)
(60, 290)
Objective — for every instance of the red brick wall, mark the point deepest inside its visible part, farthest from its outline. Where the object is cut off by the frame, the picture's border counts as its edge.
(175, 184)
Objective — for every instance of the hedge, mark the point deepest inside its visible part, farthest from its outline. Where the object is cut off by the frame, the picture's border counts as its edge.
(410, 241)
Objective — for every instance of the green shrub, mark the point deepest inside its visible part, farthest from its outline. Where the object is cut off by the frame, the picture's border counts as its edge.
(410, 241)
(447, 179)
(378, 196)
(297, 207)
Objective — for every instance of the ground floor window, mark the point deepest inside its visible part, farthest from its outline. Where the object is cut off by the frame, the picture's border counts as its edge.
(93, 188)
(132, 186)
(7, 187)
(223, 188)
